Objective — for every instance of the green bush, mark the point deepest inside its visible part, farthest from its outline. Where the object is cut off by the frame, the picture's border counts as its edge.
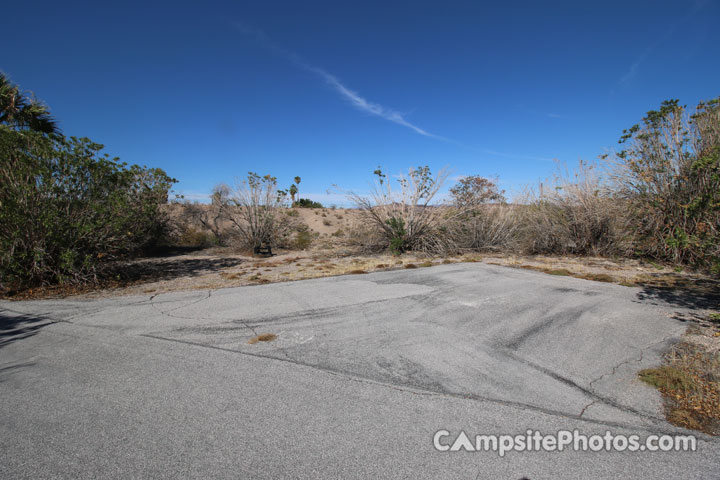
(307, 203)
(398, 236)
(303, 239)
(669, 173)
(192, 237)
(65, 208)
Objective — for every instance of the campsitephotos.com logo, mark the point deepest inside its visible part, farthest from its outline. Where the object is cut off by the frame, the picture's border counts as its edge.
(533, 440)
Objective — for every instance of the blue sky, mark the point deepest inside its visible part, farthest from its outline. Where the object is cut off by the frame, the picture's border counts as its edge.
(330, 90)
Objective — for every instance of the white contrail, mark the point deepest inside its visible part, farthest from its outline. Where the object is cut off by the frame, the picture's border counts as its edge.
(354, 97)
(635, 67)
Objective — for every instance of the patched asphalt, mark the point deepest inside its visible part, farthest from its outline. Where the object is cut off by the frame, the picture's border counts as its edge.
(364, 370)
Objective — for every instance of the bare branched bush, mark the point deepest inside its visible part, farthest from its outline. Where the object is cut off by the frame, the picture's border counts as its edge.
(573, 213)
(406, 219)
(254, 208)
(212, 218)
(474, 190)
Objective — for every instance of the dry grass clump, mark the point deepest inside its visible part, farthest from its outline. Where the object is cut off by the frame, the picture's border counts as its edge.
(689, 383)
(598, 277)
(257, 278)
(487, 227)
(549, 270)
(264, 337)
(232, 275)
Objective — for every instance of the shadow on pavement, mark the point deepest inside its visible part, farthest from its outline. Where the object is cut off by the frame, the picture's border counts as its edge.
(153, 270)
(16, 327)
(698, 296)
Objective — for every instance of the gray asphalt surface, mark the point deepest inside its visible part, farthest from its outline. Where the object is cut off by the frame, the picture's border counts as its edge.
(364, 371)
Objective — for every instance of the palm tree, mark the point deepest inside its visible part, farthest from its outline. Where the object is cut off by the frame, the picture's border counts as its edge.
(297, 182)
(293, 191)
(23, 112)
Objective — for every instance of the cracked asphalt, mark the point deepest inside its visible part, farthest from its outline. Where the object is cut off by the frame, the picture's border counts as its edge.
(365, 369)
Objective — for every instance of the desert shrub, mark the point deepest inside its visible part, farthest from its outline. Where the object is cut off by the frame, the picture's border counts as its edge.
(307, 203)
(327, 223)
(65, 208)
(193, 237)
(474, 190)
(574, 213)
(365, 237)
(209, 217)
(482, 220)
(254, 208)
(303, 238)
(669, 175)
(406, 220)
(487, 227)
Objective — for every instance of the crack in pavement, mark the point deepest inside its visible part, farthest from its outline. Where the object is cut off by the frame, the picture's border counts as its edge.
(616, 367)
(590, 393)
(630, 360)
(582, 412)
(166, 312)
(658, 426)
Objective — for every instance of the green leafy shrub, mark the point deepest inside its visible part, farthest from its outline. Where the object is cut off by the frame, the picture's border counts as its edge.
(65, 208)
(303, 239)
(669, 174)
(397, 235)
(193, 237)
(307, 203)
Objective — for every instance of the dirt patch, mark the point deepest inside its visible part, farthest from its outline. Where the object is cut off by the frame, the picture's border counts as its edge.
(627, 272)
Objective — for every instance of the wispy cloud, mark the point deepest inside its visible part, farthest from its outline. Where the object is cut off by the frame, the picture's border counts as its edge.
(540, 113)
(360, 102)
(634, 69)
(355, 99)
